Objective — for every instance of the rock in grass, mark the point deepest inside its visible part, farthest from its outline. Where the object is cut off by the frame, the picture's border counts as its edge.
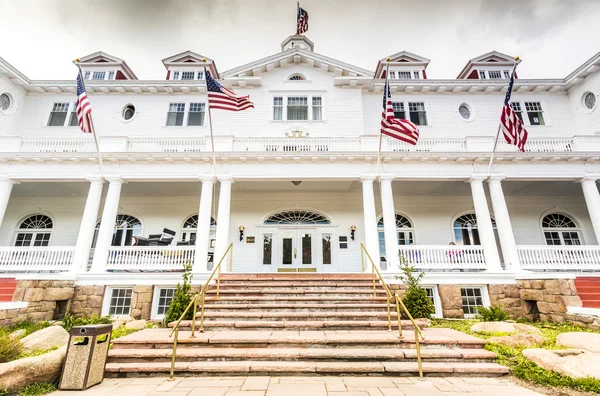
(519, 340)
(582, 340)
(136, 324)
(41, 340)
(22, 372)
(493, 327)
(573, 363)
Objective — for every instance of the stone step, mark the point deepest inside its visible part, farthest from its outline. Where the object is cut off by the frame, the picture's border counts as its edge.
(298, 292)
(298, 354)
(282, 316)
(588, 288)
(297, 325)
(296, 277)
(368, 287)
(274, 299)
(304, 368)
(289, 283)
(292, 307)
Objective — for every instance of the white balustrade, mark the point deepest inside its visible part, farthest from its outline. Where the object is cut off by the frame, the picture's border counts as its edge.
(36, 259)
(538, 145)
(444, 257)
(430, 145)
(58, 146)
(297, 144)
(166, 145)
(149, 258)
(550, 258)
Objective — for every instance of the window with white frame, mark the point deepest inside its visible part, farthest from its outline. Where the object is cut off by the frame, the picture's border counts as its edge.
(175, 76)
(466, 231)
(399, 110)
(506, 74)
(111, 75)
(35, 230)
(297, 108)
(188, 75)
(472, 299)
(405, 74)
(196, 114)
(58, 115)
(535, 113)
(493, 74)
(560, 229)
(404, 233)
(518, 109)
(277, 108)
(126, 228)
(317, 107)
(200, 75)
(433, 296)
(119, 301)
(190, 227)
(417, 75)
(98, 75)
(73, 120)
(417, 113)
(163, 301)
(392, 75)
(175, 114)
(86, 75)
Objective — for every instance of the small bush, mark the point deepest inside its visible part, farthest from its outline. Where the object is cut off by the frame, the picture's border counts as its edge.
(10, 348)
(415, 299)
(37, 389)
(4, 392)
(492, 314)
(182, 297)
(70, 321)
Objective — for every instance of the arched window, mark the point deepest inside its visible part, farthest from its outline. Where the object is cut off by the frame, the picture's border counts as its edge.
(560, 229)
(404, 232)
(190, 227)
(297, 77)
(126, 227)
(297, 217)
(465, 230)
(35, 230)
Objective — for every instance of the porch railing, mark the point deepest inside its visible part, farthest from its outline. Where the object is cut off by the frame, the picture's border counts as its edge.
(166, 145)
(149, 258)
(433, 145)
(550, 258)
(36, 259)
(58, 146)
(539, 145)
(431, 257)
(297, 144)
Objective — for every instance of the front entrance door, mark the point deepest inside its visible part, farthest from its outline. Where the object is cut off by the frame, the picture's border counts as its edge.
(297, 251)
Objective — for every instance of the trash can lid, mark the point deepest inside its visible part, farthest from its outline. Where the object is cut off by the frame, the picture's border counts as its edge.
(91, 330)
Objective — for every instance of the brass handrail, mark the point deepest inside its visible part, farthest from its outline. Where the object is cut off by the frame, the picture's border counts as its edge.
(194, 302)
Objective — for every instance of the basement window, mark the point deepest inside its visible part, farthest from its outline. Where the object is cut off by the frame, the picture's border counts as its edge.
(119, 303)
(472, 298)
(161, 301)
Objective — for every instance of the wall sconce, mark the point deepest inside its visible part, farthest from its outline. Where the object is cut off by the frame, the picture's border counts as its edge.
(241, 232)
(352, 230)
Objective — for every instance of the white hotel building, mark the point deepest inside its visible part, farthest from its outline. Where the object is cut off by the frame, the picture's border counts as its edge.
(298, 174)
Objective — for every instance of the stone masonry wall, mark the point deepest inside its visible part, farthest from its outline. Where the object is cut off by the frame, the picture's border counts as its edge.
(141, 302)
(41, 296)
(87, 301)
(451, 301)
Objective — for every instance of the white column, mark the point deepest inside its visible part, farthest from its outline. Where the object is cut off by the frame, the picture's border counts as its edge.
(223, 215)
(203, 230)
(6, 186)
(107, 224)
(371, 238)
(503, 223)
(389, 222)
(88, 225)
(592, 200)
(484, 225)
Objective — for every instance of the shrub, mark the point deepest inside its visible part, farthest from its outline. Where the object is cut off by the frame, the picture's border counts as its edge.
(70, 321)
(492, 314)
(182, 297)
(37, 389)
(10, 348)
(416, 300)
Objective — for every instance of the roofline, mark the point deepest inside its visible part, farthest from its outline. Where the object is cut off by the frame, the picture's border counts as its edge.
(16, 73)
(590, 62)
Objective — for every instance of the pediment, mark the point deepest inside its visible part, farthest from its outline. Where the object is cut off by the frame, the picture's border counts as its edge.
(405, 57)
(493, 57)
(191, 58)
(100, 57)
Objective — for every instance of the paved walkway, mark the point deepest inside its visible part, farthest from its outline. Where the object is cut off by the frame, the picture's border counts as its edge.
(305, 386)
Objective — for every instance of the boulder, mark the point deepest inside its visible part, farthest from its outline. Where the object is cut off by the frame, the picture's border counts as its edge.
(136, 324)
(519, 340)
(523, 328)
(581, 340)
(573, 363)
(41, 340)
(493, 327)
(18, 333)
(44, 368)
(117, 323)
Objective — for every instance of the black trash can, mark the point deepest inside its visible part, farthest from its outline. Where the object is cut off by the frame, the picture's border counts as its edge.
(86, 356)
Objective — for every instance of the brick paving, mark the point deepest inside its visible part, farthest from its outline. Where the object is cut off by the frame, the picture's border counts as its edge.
(303, 386)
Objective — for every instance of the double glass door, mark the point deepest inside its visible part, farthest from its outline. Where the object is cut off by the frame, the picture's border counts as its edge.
(297, 250)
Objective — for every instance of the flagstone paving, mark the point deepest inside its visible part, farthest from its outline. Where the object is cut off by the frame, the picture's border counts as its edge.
(305, 386)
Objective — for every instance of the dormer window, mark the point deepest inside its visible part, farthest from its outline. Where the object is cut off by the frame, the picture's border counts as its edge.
(99, 76)
(297, 77)
(187, 75)
(86, 75)
(405, 75)
(494, 74)
(111, 75)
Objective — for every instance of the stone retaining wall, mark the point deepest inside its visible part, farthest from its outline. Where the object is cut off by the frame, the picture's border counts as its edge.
(87, 301)
(42, 297)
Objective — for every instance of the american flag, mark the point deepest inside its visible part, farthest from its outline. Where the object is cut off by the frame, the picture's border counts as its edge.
(220, 97)
(83, 107)
(302, 21)
(511, 124)
(394, 127)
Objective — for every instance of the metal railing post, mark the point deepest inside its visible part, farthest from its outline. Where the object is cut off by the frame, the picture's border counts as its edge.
(194, 317)
(418, 346)
(389, 314)
(174, 355)
(202, 312)
(399, 318)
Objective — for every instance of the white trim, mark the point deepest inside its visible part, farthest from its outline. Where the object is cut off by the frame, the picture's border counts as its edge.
(584, 311)
(459, 278)
(13, 305)
(12, 107)
(107, 297)
(135, 113)
(583, 106)
(124, 279)
(485, 297)
(437, 301)
(155, 296)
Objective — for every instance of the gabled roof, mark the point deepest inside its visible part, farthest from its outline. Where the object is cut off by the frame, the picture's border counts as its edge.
(100, 58)
(403, 58)
(191, 58)
(298, 56)
(494, 58)
(592, 65)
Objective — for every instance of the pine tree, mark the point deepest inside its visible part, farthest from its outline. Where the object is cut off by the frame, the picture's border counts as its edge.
(416, 300)
(182, 297)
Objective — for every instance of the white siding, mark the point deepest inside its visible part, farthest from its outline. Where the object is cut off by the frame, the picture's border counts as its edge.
(588, 122)
(9, 121)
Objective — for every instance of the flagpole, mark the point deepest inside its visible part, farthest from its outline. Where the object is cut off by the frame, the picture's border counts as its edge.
(297, 12)
(90, 119)
(385, 87)
(212, 138)
(512, 74)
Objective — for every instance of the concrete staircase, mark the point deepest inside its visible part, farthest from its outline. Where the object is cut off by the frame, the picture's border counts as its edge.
(588, 289)
(7, 288)
(300, 324)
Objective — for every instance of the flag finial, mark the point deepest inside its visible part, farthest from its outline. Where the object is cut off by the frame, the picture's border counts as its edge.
(78, 60)
(388, 59)
(517, 58)
(204, 60)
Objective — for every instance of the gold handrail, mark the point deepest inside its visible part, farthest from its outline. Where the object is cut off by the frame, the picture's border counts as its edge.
(194, 302)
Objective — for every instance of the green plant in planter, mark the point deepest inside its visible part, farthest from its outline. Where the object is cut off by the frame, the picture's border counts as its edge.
(492, 314)
(182, 297)
(416, 300)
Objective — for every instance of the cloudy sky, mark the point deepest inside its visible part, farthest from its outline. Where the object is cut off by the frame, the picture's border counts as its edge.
(553, 37)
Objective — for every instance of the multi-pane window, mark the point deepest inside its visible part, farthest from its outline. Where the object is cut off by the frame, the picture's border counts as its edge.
(165, 296)
(482, 75)
(73, 121)
(430, 294)
(34, 231)
(111, 75)
(560, 229)
(98, 75)
(86, 75)
(472, 298)
(404, 233)
(267, 248)
(317, 106)
(175, 76)
(518, 109)
(58, 115)
(506, 74)
(196, 114)
(297, 108)
(120, 301)
(417, 75)
(404, 75)
(326, 240)
(187, 75)
(278, 108)
(534, 113)
(495, 74)
(200, 75)
(399, 110)
(175, 114)
(392, 74)
(417, 113)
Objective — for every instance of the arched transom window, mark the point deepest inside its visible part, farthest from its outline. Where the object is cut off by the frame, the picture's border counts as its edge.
(35, 230)
(299, 217)
(190, 227)
(404, 232)
(465, 230)
(126, 227)
(560, 229)
(297, 77)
